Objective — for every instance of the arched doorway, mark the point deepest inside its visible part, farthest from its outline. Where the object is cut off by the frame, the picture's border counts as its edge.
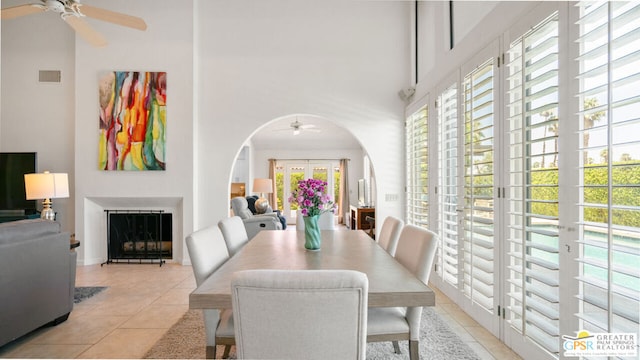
(304, 146)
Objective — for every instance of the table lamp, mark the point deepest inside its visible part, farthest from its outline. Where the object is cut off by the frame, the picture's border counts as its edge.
(46, 186)
(262, 186)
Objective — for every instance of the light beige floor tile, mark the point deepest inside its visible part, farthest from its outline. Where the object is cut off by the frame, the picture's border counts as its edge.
(504, 353)
(156, 317)
(457, 328)
(124, 344)
(175, 296)
(483, 354)
(30, 351)
(459, 315)
(87, 330)
(143, 300)
(189, 283)
(486, 338)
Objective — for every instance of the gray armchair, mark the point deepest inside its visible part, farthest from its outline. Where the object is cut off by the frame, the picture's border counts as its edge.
(254, 223)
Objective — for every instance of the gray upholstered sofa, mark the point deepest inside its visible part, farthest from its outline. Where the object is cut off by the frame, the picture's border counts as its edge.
(254, 223)
(37, 276)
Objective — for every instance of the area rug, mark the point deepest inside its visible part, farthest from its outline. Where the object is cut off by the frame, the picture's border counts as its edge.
(84, 292)
(186, 340)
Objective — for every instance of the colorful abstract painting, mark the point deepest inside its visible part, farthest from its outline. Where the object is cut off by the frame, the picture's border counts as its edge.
(132, 120)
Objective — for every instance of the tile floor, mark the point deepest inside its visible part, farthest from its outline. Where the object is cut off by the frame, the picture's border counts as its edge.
(143, 301)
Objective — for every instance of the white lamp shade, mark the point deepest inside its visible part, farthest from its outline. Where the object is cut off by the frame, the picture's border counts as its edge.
(262, 185)
(46, 185)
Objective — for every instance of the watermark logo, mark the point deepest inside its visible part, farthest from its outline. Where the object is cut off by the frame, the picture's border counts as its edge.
(600, 344)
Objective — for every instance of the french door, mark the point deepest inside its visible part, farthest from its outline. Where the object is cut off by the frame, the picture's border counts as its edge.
(533, 116)
(537, 195)
(467, 264)
(294, 171)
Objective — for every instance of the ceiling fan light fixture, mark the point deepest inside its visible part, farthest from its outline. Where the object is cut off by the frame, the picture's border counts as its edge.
(296, 131)
(55, 6)
(69, 11)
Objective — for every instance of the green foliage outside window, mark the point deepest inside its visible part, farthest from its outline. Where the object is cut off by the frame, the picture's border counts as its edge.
(595, 192)
(280, 189)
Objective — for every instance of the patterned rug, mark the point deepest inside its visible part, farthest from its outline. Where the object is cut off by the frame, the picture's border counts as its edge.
(84, 292)
(186, 340)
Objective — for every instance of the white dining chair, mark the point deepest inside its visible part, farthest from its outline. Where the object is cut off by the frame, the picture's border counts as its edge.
(416, 251)
(234, 233)
(390, 233)
(208, 251)
(300, 314)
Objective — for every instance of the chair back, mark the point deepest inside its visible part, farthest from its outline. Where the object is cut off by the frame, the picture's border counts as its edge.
(207, 251)
(234, 233)
(390, 233)
(300, 314)
(416, 250)
(240, 207)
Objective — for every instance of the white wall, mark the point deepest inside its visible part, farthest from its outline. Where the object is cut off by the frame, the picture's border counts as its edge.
(166, 45)
(261, 60)
(476, 25)
(38, 116)
(231, 67)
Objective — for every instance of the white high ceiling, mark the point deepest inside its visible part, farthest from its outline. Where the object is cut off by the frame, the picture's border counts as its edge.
(326, 135)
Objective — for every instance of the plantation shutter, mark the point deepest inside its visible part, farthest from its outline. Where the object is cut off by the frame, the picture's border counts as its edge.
(447, 109)
(478, 185)
(417, 192)
(609, 229)
(532, 200)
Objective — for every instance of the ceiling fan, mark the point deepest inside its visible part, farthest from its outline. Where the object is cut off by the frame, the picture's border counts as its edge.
(72, 11)
(298, 127)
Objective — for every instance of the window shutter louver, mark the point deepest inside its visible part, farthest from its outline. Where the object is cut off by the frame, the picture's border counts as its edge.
(532, 202)
(609, 101)
(447, 110)
(478, 185)
(417, 168)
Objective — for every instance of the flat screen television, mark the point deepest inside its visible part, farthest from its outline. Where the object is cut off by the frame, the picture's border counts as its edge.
(363, 193)
(13, 166)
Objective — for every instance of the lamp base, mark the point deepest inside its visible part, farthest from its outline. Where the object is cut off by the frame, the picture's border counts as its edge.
(261, 205)
(47, 212)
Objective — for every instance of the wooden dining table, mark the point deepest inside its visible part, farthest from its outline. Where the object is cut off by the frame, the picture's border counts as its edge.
(390, 283)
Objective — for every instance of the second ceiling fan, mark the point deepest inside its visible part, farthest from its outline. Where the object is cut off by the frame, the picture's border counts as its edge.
(73, 12)
(298, 127)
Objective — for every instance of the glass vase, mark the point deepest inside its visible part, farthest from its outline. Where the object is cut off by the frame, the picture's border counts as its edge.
(311, 233)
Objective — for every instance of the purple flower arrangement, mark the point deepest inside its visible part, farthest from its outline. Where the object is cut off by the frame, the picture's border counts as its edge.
(311, 197)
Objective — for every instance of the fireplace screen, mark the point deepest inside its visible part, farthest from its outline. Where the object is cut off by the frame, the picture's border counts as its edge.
(138, 236)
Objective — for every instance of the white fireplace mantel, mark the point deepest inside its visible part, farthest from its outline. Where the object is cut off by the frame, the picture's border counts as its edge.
(93, 249)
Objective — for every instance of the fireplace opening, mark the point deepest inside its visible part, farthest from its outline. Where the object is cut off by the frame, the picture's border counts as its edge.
(138, 236)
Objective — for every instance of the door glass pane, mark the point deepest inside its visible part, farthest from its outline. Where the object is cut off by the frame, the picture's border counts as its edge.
(533, 275)
(336, 189)
(417, 188)
(448, 256)
(282, 196)
(609, 104)
(320, 173)
(478, 185)
(296, 173)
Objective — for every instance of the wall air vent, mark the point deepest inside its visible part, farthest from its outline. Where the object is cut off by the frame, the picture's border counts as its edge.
(50, 76)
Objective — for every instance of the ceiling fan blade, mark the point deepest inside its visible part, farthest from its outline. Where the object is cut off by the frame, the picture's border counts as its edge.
(113, 17)
(21, 10)
(85, 31)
